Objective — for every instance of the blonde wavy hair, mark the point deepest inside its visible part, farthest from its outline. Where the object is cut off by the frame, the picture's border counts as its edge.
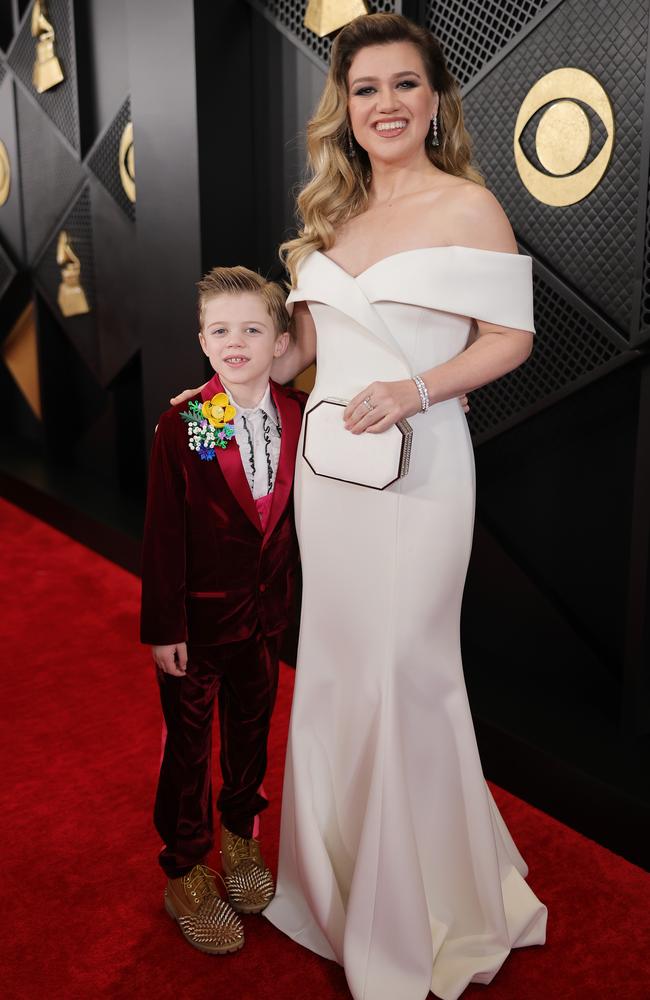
(338, 188)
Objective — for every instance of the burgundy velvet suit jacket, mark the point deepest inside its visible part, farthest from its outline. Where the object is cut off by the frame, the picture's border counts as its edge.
(209, 573)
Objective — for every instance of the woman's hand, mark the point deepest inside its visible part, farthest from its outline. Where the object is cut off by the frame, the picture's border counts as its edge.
(380, 405)
(186, 394)
(388, 402)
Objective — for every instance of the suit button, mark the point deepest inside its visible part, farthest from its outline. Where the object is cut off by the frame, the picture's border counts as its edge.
(262, 587)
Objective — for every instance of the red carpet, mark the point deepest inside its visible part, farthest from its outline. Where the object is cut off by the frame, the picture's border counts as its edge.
(82, 894)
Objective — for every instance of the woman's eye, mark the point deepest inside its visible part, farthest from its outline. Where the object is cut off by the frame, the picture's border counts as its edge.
(364, 91)
(409, 84)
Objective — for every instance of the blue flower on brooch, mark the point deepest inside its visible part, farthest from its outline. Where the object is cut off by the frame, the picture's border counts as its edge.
(208, 425)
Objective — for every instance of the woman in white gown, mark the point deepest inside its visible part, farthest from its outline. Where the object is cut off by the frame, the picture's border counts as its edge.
(394, 860)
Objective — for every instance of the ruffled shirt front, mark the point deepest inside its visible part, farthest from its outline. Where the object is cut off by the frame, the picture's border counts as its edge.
(258, 434)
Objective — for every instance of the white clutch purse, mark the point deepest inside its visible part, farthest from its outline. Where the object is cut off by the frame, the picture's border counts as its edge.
(372, 460)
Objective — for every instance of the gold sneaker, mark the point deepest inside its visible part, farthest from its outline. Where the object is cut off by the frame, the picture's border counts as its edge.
(247, 879)
(205, 919)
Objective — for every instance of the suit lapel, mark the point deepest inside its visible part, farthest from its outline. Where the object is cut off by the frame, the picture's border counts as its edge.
(231, 465)
(290, 421)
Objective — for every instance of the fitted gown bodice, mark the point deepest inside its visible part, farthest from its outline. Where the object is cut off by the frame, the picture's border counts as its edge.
(394, 860)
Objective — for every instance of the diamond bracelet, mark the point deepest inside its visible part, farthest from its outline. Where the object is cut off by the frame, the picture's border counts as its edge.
(424, 393)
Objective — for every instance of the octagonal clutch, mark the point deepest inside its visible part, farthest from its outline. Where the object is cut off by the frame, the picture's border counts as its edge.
(372, 460)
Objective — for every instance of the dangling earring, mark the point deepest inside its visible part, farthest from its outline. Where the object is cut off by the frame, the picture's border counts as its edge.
(433, 134)
(350, 151)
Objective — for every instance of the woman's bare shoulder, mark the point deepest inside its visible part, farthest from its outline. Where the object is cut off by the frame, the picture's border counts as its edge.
(475, 218)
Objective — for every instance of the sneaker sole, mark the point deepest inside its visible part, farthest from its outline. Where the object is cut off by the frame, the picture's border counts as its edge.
(206, 951)
(238, 908)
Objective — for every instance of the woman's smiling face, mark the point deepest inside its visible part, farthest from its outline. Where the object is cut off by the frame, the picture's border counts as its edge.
(390, 101)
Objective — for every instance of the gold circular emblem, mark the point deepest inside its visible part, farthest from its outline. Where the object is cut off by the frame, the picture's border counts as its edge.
(563, 136)
(5, 173)
(126, 158)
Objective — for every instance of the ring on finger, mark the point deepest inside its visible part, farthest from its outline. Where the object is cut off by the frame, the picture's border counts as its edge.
(368, 404)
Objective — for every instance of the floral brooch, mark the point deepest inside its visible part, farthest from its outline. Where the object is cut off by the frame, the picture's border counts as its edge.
(209, 425)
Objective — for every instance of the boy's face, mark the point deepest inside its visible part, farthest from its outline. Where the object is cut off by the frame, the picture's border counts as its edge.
(239, 338)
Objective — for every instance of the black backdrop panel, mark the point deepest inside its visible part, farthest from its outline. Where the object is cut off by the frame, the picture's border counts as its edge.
(573, 345)
(279, 112)
(644, 319)
(50, 175)
(474, 31)
(592, 244)
(168, 261)
(11, 223)
(6, 24)
(76, 409)
(7, 273)
(114, 247)
(102, 63)
(557, 492)
(60, 103)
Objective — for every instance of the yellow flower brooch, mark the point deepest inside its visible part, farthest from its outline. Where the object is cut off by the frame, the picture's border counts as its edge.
(209, 425)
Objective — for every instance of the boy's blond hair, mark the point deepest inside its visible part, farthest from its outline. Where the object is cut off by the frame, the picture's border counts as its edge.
(234, 281)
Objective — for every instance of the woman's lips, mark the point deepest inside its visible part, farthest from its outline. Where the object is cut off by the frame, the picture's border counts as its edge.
(390, 129)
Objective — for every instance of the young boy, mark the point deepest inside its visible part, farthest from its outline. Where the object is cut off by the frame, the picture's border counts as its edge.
(219, 561)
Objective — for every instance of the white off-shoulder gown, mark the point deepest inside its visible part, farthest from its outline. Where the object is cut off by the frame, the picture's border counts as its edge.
(394, 859)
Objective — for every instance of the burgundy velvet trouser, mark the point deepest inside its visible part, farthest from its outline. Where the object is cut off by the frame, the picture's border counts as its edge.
(243, 677)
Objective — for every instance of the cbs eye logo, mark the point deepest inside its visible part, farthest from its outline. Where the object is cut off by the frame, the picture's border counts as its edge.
(563, 136)
(5, 174)
(126, 160)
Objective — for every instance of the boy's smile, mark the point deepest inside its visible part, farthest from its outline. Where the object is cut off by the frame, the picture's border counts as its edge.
(236, 362)
(241, 342)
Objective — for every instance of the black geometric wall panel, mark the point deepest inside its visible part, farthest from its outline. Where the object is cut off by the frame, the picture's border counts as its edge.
(103, 160)
(644, 319)
(82, 329)
(114, 244)
(50, 174)
(11, 220)
(6, 26)
(473, 32)
(288, 16)
(70, 428)
(570, 348)
(7, 272)
(61, 102)
(591, 244)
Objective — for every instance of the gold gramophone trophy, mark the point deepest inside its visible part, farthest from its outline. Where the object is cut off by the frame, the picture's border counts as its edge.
(47, 68)
(326, 16)
(71, 298)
